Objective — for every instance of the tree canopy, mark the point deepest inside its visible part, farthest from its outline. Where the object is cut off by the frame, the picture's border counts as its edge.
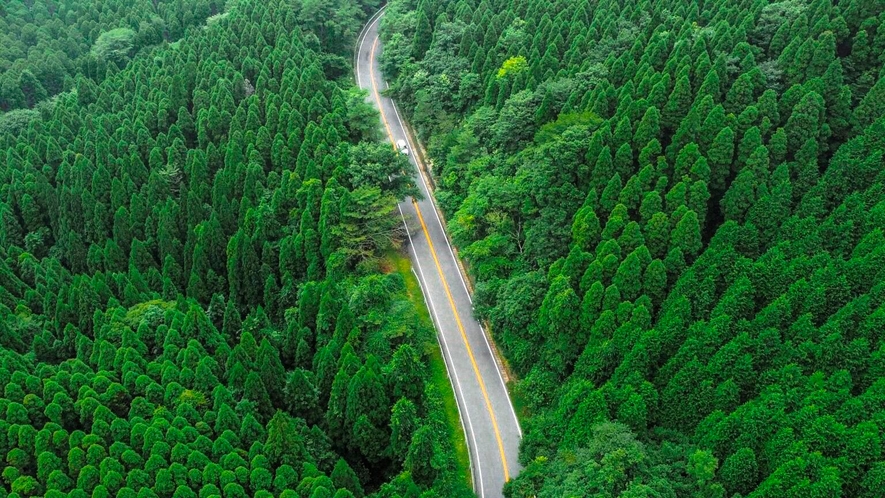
(672, 213)
(196, 296)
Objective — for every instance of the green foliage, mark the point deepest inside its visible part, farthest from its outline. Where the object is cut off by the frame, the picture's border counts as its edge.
(49, 48)
(15, 121)
(512, 67)
(114, 45)
(194, 299)
(690, 244)
(335, 23)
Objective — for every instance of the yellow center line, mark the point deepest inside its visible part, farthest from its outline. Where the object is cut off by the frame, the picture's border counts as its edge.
(482, 385)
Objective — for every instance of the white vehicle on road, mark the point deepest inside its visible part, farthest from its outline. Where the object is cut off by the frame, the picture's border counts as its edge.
(402, 147)
(488, 418)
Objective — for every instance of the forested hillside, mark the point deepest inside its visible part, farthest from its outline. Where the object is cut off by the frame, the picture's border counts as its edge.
(674, 212)
(194, 293)
(45, 44)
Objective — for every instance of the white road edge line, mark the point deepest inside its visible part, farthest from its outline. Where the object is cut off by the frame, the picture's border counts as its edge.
(453, 377)
(446, 360)
(361, 39)
(429, 195)
(453, 374)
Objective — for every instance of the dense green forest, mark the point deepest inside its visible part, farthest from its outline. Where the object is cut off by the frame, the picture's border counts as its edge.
(675, 215)
(44, 45)
(195, 297)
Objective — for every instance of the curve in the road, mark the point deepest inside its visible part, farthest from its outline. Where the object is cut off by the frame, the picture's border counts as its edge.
(505, 445)
(453, 374)
(442, 276)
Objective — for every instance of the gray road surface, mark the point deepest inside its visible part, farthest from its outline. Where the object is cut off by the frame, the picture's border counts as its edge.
(487, 414)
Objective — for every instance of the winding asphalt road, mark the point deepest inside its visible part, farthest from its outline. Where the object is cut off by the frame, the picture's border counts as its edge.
(487, 414)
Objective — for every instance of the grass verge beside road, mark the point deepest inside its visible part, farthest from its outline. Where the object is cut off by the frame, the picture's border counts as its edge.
(438, 373)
